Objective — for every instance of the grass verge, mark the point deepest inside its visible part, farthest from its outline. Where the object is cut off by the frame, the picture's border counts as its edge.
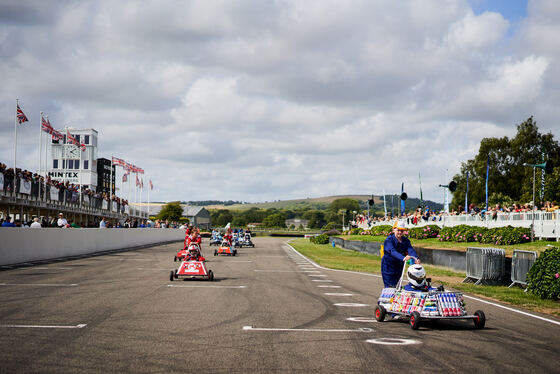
(337, 258)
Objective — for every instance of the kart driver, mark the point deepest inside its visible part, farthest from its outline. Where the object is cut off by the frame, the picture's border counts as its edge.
(188, 232)
(396, 251)
(228, 236)
(416, 276)
(195, 237)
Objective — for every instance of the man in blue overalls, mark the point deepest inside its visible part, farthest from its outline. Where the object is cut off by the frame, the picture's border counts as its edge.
(396, 250)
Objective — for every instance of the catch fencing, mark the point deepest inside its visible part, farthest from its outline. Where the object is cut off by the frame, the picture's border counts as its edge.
(485, 265)
(521, 263)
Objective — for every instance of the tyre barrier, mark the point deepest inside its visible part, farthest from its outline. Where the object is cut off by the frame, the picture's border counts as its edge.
(521, 262)
(485, 265)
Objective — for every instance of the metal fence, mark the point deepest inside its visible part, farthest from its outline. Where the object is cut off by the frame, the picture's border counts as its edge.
(485, 265)
(521, 262)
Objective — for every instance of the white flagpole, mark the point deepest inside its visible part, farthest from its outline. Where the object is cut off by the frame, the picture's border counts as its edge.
(15, 148)
(148, 209)
(46, 160)
(136, 192)
(81, 172)
(111, 186)
(40, 150)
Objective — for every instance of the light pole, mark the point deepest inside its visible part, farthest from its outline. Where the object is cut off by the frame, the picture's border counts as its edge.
(548, 167)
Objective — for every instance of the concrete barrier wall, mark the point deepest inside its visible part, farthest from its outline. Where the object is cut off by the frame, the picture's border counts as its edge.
(18, 245)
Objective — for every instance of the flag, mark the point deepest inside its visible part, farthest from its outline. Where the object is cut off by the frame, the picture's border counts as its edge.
(46, 126)
(151, 185)
(137, 181)
(21, 117)
(141, 182)
(421, 197)
(118, 161)
(57, 135)
(124, 178)
(75, 141)
(487, 170)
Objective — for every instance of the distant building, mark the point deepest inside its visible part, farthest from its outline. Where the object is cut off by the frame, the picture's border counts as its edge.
(69, 163)
(197, 215)
(297, 222)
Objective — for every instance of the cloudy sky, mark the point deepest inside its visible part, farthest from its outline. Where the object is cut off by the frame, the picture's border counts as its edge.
(265, 100)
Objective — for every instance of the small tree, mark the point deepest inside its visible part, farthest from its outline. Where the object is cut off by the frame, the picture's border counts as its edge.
(172, 211)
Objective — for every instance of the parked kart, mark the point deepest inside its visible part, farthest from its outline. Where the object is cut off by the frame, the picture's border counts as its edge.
(435, 304)
(225, 249)
(193, 265)
(247, 242)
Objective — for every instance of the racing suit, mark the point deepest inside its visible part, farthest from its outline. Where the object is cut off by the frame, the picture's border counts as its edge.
(187, 236)
(392, 262)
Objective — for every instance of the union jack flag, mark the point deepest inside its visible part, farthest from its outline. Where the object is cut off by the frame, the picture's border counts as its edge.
(74, 141)
(21, 117)
(137, 181)
(118, 161)
(151, 185)
(56, 135)
(46, 126)
(142, 183)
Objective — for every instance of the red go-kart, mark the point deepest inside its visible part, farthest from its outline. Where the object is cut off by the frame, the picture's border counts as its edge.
(192, 266)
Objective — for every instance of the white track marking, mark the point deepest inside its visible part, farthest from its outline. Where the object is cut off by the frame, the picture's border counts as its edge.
(351, 304)
(195, 286)
(276, 271)
(80, 326)
(320, 267)
(391, 341)
(321, 280)
(512, 310)
(338, 294)
(251, 328)
(39, 284)
(328, 286)
(316, 275)
(311, 271)
(361, 319)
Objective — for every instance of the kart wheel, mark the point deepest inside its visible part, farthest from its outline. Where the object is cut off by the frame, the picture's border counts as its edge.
(480, 319)
(380, 313)
(176, 275)
(171, 276)
(174, 258)
(210, 275)
(215, 253)
(415, 320)
(234, 252)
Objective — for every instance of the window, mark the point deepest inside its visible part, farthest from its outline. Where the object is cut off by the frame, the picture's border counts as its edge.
(64, 164)
(76, 164)
(70, 164)
(77, 137)
(86, 163)
(86, 140)
(55, 164)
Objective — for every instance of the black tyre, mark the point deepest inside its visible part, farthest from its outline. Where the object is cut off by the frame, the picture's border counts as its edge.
(175, 274)
(210, 275)
(174, 258)
(215, 253)
(171, 276)
(415, 320)
(380, 313)
(480, 319)
(234, 252)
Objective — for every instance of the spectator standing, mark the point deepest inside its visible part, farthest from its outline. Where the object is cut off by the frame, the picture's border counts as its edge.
(62, 221)
(8, 222)
(35, 224)
(103, 223)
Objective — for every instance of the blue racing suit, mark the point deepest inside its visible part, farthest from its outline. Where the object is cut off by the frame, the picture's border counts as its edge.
(392, 262)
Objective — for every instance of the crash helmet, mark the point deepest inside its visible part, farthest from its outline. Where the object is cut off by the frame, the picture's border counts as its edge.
(416, 275)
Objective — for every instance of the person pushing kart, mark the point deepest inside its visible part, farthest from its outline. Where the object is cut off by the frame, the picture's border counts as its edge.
(396, 251)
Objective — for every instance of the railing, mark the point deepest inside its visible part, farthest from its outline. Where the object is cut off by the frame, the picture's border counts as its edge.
(36, 194)
(547, 224)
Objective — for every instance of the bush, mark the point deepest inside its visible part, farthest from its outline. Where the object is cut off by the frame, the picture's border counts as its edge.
(356, 231)
(320, 239)
(330, 226)
(430, 231)
(383, 230)
(497, 236)
(543, 278)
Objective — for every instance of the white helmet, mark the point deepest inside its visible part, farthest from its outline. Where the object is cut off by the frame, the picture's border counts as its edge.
(416, 275)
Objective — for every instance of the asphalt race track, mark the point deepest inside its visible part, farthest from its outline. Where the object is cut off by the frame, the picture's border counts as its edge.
(268, 311)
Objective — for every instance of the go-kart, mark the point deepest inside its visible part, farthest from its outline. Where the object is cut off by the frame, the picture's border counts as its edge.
(182, 254)
(435, 304)
(216, 240)
(225, 249)
(192, 266)
(247, 242)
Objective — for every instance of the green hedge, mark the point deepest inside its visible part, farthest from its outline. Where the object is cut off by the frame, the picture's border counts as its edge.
(384, 230)
(320, 239)
(426, 232)
(497, 236)
(543, 279)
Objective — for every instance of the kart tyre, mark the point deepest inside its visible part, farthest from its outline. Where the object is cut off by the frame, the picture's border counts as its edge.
(380, 313)
(176, 275)
(174, 258)
(171, 276)
(480, 319)
(215, 253)
(415, 320)
(234, 252)
(210, 275)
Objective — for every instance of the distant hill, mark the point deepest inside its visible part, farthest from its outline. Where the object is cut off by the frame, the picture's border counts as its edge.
(324, 202)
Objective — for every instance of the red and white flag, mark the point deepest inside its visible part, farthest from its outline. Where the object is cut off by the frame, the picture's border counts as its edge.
(151, 185)
(46, 126)
(75, 141)
(142, 183)
(137, 181)
(21, 117)
(125, 177)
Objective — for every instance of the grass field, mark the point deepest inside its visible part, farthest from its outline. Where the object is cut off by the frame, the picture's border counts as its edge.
(336, 258)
